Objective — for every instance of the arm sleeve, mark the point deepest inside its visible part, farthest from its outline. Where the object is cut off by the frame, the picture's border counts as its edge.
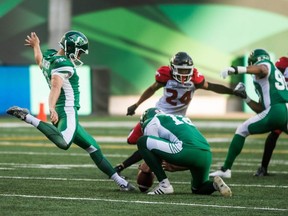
(219, 88)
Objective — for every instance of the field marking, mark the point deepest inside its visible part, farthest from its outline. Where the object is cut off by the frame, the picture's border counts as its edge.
(141, 202)
(98, 139)
(109, 180)
(131, 124)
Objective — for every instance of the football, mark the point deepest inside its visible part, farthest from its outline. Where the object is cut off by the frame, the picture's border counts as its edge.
(145, 180)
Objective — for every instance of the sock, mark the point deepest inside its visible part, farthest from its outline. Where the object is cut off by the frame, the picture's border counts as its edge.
(102, 163)
(32, 120)
(234, 150)
(206, 188)
(270, 144)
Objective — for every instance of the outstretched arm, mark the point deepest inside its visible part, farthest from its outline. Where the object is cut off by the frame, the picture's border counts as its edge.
(260, 71)
(145, 95)
(34, 42)
(217, 88)
(220, 89)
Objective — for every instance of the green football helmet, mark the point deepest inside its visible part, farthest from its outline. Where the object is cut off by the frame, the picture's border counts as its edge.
(148, 115)
(258, 55)
(74, 43)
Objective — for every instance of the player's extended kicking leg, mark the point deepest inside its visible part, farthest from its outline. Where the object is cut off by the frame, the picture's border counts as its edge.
(61, 136)
(49, 130)
(71, 130)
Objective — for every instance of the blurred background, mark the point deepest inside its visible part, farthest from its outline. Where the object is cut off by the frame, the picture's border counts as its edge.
(129, 40)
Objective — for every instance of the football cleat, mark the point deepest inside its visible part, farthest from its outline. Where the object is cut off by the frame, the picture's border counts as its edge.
(222, 187)
(261, 172)
(224, 173)
(18, 112)
(160, 189)
(128, 187)
(240, 90)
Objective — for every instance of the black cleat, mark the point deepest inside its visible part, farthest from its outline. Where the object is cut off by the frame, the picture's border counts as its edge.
(18, 112)
(261, 172)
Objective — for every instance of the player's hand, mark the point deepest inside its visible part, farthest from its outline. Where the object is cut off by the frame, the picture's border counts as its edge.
(228, 71)
(240, 90)
(131, 110)
(171, 167)
(144, 167)
(53, 116)
(32, 40)
(167, 166)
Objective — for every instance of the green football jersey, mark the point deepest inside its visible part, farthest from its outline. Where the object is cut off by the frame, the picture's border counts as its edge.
(176, 128)
(61, 65)
(273, 88)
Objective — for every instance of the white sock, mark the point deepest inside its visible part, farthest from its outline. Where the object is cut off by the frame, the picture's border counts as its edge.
(119, 180)
(30, 119)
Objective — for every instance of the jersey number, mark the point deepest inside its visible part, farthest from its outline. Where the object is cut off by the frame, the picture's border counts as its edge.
(181, 120)
(281, 83)
(185, 99)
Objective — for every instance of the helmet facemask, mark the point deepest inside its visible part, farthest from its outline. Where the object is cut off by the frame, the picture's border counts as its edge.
(182, 73)
(182, 67)
(74, 44)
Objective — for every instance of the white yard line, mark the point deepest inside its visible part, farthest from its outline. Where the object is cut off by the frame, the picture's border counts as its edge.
(251, 208)
(131, 124)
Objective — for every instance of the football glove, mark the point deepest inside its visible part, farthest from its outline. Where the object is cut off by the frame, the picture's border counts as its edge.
(131, 110)
(228, 71)
(240, 90)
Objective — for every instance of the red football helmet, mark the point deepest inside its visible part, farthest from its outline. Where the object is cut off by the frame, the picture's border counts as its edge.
(282, 64)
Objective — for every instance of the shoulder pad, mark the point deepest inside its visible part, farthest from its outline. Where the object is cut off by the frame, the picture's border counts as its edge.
(163, 74)
(197, 77)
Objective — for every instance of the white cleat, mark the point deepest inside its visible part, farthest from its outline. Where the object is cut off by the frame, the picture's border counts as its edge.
(128, 187)
(221, 173)
(159, 190)
(222, 187)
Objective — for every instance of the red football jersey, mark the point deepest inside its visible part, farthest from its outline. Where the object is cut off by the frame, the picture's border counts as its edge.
(163, 74)
(176, 96)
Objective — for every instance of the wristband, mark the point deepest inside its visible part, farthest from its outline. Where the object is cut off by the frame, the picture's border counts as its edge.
(247, 100)
(241, 69)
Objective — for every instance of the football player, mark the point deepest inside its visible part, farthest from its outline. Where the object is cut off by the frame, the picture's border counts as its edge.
(175, 139)
(270, 143)
(180, 80)
(271, 109)
(59, 69)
